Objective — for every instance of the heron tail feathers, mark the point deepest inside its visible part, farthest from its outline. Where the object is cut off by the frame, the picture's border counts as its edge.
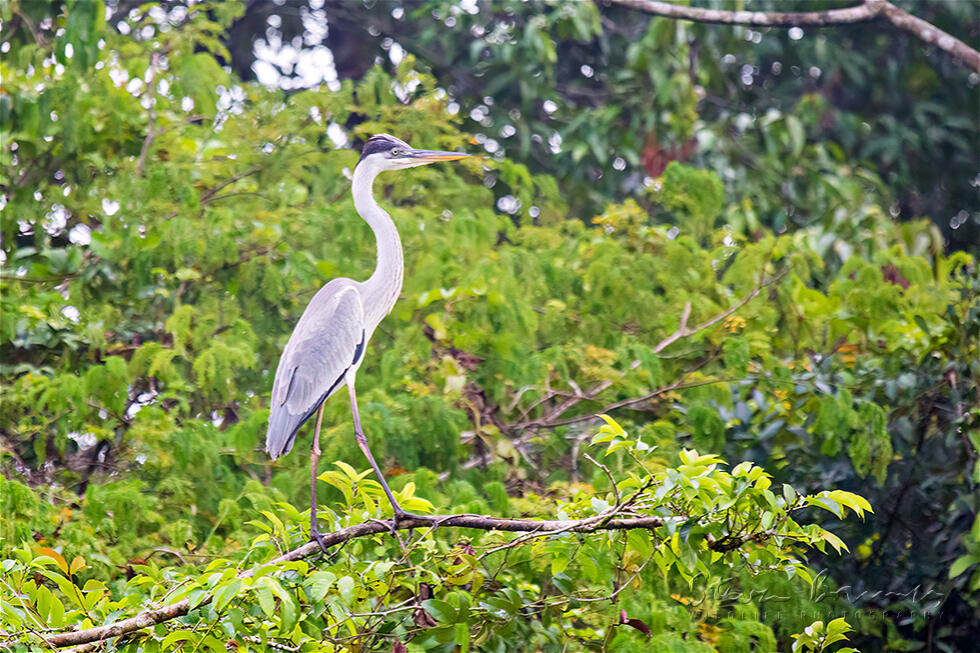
(283, 427)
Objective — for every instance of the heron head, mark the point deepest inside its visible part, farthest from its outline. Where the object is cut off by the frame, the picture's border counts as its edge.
(390, 153)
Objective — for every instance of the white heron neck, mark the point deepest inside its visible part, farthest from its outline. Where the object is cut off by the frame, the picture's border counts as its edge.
(382, 288)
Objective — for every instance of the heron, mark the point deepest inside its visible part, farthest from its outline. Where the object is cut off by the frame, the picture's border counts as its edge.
(327, 346)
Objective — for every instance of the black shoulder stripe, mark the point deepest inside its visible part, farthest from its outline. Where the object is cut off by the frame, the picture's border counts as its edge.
(359, 350)
(314, 408)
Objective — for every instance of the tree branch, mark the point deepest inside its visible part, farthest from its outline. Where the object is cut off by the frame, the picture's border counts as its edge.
(929, 33)
(151, 133)
(858, 14)
(869, 10)
(683, 331)
(478, 522)
(209, 194)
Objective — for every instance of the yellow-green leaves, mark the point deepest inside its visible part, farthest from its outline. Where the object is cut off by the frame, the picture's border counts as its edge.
(836, 500)
(613, 433)
(695, 195)
(871, 446)
(818, 637)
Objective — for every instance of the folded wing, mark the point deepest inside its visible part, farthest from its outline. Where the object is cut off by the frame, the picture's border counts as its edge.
(327, 341)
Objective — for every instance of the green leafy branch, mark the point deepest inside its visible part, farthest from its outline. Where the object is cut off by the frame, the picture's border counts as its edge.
(684, 519)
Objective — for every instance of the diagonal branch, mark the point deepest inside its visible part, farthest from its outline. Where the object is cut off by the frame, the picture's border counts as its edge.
(210, 193)
(682, 331)
(151, 132)
(929, 33)
(857, 14)
(869, 10)
(478, 522)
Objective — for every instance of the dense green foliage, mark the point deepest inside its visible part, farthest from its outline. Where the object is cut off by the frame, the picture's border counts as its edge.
(164, 225)
(572, 87)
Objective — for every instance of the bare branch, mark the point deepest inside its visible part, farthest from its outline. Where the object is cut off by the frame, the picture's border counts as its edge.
(151, 134)
(552, 418)
(478, 522)
(869, 10)
(858, 14)
(929, 33)
(680, 384)
(683, 331)
(210, 193)
(609, 475)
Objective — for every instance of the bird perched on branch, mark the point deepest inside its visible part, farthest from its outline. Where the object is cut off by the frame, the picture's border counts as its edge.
(327, 346)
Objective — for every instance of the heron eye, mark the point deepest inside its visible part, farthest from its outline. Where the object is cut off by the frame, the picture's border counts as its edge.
(395, 151)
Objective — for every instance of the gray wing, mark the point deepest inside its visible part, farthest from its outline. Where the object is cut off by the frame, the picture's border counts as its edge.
(327, 341)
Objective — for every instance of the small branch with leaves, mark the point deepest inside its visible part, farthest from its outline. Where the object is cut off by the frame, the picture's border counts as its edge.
(554, 417)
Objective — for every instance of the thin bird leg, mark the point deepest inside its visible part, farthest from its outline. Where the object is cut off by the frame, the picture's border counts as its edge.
(314, 461)
(362, 443)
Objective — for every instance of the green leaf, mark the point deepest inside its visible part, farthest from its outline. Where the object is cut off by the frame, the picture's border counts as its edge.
(345, 586)
(827, 504)
(179, 636)
(195, 597)
(266, 602)
(559, 562)
(290, 614)
(320, 583)
(961, 564)
(462, 637)
(443, 612)
(789, 494)
(613, 425)
(224, 594)
(641, 542)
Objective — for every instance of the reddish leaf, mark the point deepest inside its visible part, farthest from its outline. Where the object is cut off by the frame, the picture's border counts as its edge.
(624, 620)
(422, 618)
(891, 274)
(656, 156)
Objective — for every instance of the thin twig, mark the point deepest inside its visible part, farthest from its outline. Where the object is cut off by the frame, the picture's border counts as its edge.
(151, 126)
(682, 331)
(615, 593)
(609, 475)
(209, 194)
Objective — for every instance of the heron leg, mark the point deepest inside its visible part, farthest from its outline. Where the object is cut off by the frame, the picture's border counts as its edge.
(400, 514)
(314, 461)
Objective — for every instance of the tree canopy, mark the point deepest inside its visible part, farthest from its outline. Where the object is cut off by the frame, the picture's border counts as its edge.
(674, 335)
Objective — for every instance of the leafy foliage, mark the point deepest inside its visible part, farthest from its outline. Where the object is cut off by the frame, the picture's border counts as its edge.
(163, 226)
(607, 96)
(449, 588)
